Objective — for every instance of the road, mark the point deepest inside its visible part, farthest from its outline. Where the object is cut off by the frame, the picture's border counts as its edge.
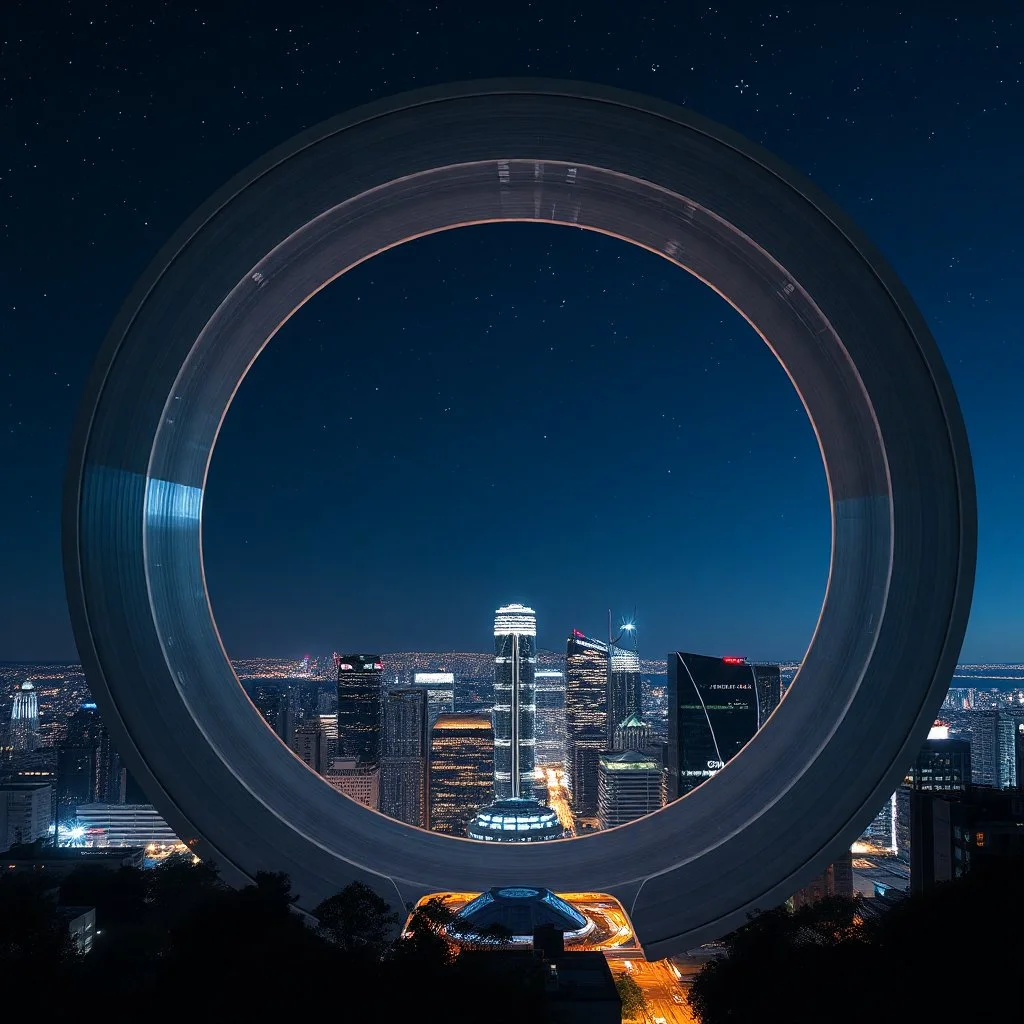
(664, 992)
(559, 801)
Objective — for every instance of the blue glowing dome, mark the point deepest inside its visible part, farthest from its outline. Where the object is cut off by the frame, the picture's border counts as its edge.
(518, 911)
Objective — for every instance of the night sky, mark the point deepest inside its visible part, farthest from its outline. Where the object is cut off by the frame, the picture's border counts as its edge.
(361, 495)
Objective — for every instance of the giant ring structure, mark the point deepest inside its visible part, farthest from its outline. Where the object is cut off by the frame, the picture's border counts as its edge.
(842, 325)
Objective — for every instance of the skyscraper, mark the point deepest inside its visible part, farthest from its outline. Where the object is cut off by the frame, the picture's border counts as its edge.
(628, 787)
(942, 765)
(78, 762)
(550, 698)
(403, 769)
(461, 770)
(632, 733)
(440, 687)
(274, 704)
(360, 685)
(309, 743)
(587, 746)
(515, 710)
(24, 731)
(586, 707)
(624, 689)
(768, 679)
(712, 714)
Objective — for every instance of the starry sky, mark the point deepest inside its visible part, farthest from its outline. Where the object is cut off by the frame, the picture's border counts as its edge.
(355, 498)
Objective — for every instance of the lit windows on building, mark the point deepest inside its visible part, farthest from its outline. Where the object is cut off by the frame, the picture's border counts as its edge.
(440, 687)
(629, 786)
(360, 713)
(403, 769)
(586, 708)
(461, 770)
(515, 820)
(551, 728)
(515, 709)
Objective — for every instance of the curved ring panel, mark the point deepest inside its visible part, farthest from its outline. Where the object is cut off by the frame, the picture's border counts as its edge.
(856, 349)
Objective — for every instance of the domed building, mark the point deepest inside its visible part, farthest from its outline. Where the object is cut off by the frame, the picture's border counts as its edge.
(518, 912)
(515, 820)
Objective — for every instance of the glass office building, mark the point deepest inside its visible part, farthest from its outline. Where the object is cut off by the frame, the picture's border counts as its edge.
(515, 709)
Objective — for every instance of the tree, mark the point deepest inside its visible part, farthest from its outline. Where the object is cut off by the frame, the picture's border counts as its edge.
(357, 920)
(634, 1005)
(35, 947)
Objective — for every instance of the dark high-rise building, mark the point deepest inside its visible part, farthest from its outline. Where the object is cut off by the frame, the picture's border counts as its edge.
(461, 771)
(957, 833)
(403, 769)
(440, 688)
(943, 765)
(78, 762)
(360, 691)
(310, 744)
(586, 710)
(768, 679)
(275, 705)
(625, 692)
(587, 747)
(550, 698)
(712, 715)
(515, 709)
(628, 787)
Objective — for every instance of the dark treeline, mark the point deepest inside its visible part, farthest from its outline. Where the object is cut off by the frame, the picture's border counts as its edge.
(952, 953)
(177, 940)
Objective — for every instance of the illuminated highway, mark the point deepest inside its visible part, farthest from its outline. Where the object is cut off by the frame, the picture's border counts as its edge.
(663, 982)
(558, 800)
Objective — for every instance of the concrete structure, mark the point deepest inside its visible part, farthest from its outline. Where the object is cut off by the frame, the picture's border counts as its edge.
(357, 780)
(859, 355)
(25, 812)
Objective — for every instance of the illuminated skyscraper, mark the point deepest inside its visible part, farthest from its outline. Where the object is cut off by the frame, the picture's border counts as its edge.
(440, 687)
(24, 733)
(515, 710)
(403, 769)
(461, 771)
(360, 690)
(586, 705)
(550, 698)
(624, 689)
(628, 787)
(712, 714)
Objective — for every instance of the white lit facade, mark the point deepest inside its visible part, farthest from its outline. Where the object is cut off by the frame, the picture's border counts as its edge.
(124, 825)
(515, 708)
(25, 718)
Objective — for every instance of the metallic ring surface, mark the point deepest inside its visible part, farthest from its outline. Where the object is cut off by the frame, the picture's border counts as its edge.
(857, 350)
